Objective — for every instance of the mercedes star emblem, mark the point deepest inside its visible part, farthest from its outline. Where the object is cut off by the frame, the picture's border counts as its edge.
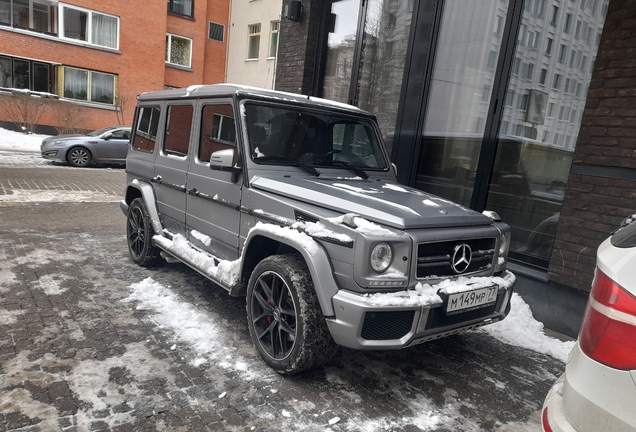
(462, 255)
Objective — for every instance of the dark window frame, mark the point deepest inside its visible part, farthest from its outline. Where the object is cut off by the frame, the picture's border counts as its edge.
(31, 78)
(171, 10)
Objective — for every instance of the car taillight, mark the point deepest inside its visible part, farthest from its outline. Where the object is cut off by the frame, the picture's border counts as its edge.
(608, 333)
(544, 421)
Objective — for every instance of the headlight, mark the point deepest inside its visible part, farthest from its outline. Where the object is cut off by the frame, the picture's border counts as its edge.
(381, 257)
(505, 244)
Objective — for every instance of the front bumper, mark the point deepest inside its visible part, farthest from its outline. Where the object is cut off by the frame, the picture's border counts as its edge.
(54, 154)
(360, 325)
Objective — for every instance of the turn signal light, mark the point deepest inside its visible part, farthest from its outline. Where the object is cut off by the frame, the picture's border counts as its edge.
(608, 333)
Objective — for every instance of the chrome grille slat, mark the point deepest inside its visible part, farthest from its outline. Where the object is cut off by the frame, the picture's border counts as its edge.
(434, 258)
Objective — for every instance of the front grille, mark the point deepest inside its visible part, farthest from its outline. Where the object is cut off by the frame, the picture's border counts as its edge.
(437, 317)
(387, 325)
(434, 259)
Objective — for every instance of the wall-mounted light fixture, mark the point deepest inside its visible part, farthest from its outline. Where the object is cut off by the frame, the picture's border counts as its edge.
(294, 11)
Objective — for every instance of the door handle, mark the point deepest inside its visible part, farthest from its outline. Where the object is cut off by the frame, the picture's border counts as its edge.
(157, 179)
(193, 191)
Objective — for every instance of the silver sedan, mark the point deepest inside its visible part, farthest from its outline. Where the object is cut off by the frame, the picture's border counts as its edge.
(107, 145)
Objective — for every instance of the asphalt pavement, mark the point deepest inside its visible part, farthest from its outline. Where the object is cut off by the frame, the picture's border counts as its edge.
(74, 356)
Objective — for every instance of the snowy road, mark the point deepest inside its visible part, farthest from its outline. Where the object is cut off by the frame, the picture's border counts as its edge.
(90, 341)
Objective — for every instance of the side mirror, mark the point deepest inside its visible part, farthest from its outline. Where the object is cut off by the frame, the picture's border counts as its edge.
(222, 161)
(222, 158)
(107, 136)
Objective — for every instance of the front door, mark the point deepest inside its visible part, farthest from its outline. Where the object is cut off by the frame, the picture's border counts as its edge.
(214, 200)
(172, 166)
(114, 147)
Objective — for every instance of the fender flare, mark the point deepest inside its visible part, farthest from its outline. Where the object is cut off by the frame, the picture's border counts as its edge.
(148, 195)
(317, 260)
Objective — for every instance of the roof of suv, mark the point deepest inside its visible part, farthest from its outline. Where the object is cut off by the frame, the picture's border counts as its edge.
(197, 91)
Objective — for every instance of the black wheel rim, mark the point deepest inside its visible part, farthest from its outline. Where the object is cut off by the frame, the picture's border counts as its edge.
(79, 157)
(136, 231)
(274, 315)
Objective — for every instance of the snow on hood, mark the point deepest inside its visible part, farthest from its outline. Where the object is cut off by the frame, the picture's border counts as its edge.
(386, 203)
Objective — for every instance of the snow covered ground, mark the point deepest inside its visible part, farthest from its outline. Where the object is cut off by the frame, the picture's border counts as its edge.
(17, 141)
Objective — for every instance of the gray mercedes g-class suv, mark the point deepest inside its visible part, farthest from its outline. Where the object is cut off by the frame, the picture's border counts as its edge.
(292, 202)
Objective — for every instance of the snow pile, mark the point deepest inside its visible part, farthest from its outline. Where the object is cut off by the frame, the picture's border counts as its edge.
(201, 237)
(522, 330)
(422, 295)
(17, 141)
(191, 326)
(319, 231)
(225, 271)
(299, 238)
(426, 295)
(430, 203)
(463, 284)
(364, 226)
(395, 187)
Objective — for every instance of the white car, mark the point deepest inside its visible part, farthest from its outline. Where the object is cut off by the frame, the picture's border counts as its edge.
(597, 392)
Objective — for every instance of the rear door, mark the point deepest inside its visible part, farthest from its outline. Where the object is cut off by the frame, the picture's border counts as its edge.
(214, 199)
(172, 165)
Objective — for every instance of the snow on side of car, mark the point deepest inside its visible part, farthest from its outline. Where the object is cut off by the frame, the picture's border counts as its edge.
(225, 271)
(206, 240)
(427, 295)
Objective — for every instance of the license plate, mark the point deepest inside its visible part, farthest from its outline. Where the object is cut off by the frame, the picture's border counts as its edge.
(474, 299)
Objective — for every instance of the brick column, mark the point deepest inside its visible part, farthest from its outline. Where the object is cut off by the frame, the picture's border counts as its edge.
(601, 189)
(299, 49)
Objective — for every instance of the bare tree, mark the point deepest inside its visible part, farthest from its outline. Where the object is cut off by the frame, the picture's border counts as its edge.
(122, 103)
(69, 117)
(24, 108)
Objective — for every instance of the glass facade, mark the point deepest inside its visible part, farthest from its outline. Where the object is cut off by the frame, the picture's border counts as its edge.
(496, 89)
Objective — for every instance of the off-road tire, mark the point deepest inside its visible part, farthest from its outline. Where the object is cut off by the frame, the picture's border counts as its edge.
(139, 233)
(79, 157)
(312, 343)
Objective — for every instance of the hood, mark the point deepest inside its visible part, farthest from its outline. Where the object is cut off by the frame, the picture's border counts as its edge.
(63, 137)
(379, 201)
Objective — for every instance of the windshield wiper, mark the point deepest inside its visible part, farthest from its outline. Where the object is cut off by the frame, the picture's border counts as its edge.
(352, 168)
(311, 170)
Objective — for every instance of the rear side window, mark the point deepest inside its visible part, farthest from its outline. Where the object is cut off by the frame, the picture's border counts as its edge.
(146, 130)
(218, 131)
(178, 126)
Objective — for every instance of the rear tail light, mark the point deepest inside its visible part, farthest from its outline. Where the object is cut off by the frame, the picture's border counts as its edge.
(608, 333)
(545, 422)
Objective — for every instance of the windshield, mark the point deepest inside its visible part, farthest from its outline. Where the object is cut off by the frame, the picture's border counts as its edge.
(98, 132)
(312, 138)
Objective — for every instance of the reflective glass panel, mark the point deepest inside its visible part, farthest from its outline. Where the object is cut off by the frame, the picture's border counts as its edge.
(386, 35)
(340, 50)
(463, 77)
(541, 119)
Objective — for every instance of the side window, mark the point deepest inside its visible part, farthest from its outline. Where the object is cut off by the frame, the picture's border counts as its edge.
(218, 131)
(178, 125)
(146, 130)
(119, 134)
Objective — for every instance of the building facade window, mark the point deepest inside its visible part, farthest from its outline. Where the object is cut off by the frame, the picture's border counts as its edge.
(178, 50)
(88, 26)
(216, 32)
(87, 85)
(253, 41)
(273, 38)
(32, 15)
(25, 74)
(181, 7)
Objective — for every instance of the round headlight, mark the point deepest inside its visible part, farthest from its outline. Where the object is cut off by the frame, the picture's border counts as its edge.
(381, 257)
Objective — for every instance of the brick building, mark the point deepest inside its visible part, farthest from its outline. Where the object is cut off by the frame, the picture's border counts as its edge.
(523, 107)
(99, 55)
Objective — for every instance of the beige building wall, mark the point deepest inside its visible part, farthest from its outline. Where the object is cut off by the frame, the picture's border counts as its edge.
(241, 69)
